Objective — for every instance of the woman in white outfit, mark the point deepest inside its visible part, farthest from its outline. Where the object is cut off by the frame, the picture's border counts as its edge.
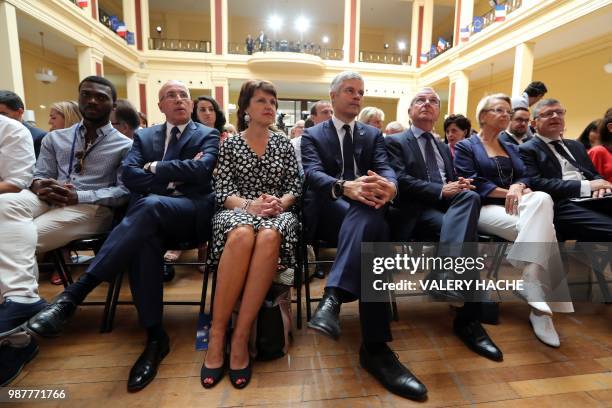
(512, 211)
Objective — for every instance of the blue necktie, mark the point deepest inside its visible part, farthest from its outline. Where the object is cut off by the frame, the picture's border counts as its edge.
(173, 152)
(433, 172)
(348, 172)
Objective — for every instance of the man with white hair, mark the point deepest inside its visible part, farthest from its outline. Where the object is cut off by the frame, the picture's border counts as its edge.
(436, 204)
(169, 172)
(393, 128)
(349, 183)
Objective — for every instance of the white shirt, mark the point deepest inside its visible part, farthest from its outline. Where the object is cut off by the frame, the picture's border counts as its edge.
(17, 157)
(417, 132)
(568, 171)
(297, 146)
(169, 127)
(338, 124)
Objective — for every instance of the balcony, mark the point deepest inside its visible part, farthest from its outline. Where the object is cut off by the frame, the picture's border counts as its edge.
(171, 44)
(289, 46)
(489, 17)
(384, 58)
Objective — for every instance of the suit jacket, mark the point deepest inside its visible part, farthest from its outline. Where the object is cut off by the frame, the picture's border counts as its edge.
(322, 160)
(506, 138)
(406, 158)
(37, 137)
(472, 161)
(545, 172)
(194, 177)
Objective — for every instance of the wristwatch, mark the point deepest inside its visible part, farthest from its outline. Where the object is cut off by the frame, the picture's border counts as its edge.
(338, 189)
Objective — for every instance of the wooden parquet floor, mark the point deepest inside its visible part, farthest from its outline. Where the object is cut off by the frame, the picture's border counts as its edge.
(93, 367)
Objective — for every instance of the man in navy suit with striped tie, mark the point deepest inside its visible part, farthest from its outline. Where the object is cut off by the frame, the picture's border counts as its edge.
(349, 184)
(169, 172)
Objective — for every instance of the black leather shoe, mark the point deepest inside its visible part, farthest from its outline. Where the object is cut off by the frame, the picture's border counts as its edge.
(326, 318)
(168, 272)
(145, 368)
(476, 338)
(392, 374)
(50, 321)
(443, 295)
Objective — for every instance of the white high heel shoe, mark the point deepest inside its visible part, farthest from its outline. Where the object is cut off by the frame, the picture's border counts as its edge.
(544, 329)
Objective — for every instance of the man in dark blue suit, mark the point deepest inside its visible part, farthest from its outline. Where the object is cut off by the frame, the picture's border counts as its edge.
(12, 106)
(349, 183)
(518, 128)
(562, 168)
(437, 204)
(169, 172)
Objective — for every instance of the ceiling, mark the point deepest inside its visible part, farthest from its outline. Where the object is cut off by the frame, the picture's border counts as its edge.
(29, 30)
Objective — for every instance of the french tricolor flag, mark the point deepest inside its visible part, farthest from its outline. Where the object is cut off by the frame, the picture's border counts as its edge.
(424, 58)
(465, 34)
(122, 29)
(500, 12)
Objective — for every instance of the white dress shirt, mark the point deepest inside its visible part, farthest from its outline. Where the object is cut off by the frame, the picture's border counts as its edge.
(338, 124)
(568, 170)
(169, 127)
(17, 158)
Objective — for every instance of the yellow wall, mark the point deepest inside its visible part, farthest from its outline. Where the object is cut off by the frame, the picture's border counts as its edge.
(373, 38)
(388, 106)
(583, 97)
(183, 26)
(240, 27)
(37, 93)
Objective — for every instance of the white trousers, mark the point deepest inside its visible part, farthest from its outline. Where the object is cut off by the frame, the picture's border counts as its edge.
(28, 226)
(533, 232)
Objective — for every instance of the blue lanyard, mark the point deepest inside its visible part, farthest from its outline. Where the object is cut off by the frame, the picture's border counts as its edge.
(74, 138)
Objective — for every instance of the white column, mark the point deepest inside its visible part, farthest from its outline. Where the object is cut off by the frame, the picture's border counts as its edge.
(215, 24)
(129, 16)
(523, 67)
(88, 57)
(352, 17)
(132, 88)
(459, 85)
(403, 104)
(144, 19)
(11, 77)
(464, 14)
(422, 26)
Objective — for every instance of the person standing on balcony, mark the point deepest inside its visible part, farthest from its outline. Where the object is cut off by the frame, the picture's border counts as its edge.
(250, 44)
(261, 41)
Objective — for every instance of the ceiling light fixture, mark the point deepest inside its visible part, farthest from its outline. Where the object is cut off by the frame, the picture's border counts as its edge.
(44, 74)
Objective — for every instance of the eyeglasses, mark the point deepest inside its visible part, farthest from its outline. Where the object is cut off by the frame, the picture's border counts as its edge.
(423, 101)
(549, 114)
(499, 111)
(521, 120)
(173, 96)
(80, 164)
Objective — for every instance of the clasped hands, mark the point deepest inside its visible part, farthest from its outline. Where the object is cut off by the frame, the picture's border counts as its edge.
(54, 193)
(513, 197)
(453, 188)
(372, 190)
(265, 205)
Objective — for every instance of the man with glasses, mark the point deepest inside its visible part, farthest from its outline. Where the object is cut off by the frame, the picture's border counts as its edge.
(169, 172)
(76, 184)
(434, 204)
(562, 168)
(518, 128)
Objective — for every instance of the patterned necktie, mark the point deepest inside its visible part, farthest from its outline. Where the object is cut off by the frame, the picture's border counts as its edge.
(348, 154)
(433, 172)
(558, 145)
(172, 152)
